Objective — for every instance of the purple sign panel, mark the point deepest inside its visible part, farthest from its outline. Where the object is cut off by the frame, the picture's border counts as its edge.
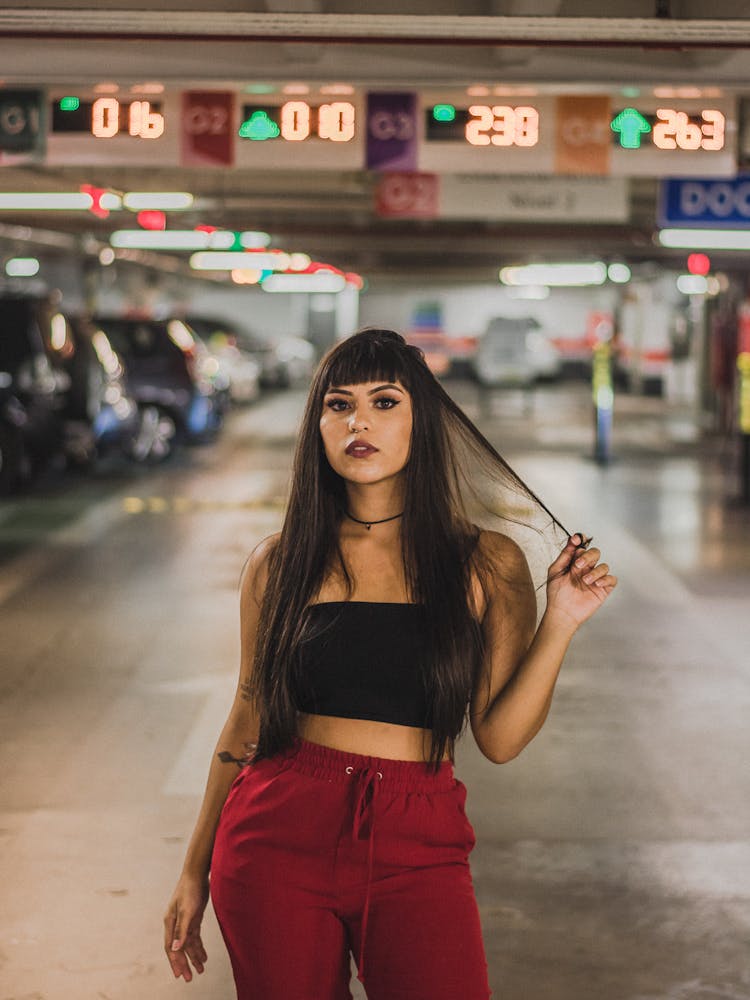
(392, 131)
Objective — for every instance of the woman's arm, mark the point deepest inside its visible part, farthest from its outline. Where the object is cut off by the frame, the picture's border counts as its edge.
(185, 911)
(513, 696)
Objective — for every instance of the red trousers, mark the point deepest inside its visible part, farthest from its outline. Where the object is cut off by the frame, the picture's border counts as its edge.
(319, 852)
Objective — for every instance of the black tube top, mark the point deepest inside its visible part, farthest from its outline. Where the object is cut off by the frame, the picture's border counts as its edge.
(363, 660)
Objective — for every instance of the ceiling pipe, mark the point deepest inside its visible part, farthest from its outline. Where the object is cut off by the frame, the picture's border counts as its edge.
(369, 29)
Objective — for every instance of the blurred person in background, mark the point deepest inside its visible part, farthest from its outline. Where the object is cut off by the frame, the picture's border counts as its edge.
(374, 625)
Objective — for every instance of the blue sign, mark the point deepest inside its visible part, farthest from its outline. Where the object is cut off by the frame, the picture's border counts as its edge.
(710, 202)
(392, 131)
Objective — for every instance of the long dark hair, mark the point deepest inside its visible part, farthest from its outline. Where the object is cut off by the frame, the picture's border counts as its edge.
(439, 540)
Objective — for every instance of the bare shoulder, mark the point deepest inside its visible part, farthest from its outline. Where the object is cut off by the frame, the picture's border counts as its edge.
(254, 574)
(502, 553)
(502, 571)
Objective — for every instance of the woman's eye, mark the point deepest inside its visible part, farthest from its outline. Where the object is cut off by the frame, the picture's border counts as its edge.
(336, 405)
(388, 400)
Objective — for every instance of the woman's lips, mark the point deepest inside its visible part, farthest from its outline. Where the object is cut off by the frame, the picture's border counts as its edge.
(360, 449)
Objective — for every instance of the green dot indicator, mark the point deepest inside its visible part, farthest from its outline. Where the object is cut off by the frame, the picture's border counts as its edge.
(259, 127)
(70, 104)
(444, 113)
(630, 124)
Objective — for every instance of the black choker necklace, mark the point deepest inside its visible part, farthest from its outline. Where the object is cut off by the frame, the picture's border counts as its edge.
(369, 524)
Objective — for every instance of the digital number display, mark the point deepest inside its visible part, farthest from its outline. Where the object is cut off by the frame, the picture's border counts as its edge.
(668, 128)
(107, 117)
(483, 125)
(296, 121)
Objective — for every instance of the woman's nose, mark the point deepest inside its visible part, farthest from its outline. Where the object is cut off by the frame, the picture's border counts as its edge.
(356, 423)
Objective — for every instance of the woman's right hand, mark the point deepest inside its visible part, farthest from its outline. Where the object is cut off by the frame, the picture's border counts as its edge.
(182, 923)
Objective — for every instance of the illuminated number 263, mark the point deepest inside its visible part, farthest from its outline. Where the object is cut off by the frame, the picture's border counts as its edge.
(502, 126)
(674, 130)
(142, 121)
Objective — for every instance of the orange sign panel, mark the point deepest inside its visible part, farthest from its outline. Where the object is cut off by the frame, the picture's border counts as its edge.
(583, 142)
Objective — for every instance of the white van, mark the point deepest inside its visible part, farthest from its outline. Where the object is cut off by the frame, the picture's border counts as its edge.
(515, 351)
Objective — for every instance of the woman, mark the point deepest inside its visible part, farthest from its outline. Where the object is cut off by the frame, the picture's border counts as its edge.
(372, 626)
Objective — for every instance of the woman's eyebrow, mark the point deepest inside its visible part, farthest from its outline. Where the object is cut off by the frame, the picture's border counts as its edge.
(387, 385)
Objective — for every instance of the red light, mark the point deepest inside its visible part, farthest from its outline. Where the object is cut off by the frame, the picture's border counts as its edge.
(206, 229)
(96, 196)
(698, 263)
(152, 220)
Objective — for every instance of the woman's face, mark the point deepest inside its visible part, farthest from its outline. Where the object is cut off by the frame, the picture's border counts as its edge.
(366, 430)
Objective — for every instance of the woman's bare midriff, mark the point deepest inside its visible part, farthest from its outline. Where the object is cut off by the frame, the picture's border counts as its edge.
(373, 739)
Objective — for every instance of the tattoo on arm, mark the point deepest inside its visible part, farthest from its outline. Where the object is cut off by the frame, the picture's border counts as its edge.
(246, 690)
(227, 758)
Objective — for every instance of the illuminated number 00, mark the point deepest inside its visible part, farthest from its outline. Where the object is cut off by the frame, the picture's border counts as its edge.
(508, 126)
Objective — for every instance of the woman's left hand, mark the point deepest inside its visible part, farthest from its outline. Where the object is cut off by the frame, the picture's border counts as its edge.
(577, 583)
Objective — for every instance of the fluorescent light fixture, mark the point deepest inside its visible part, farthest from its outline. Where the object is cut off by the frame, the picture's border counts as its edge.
(559, 275)
(22, 267)
(705, 239)
(246, 276)
(172, 239)
(692, 284)
(238, 260)
(112, 202)
(252, 240)
(298, 262)
(31, 201)
(165, 201)
(321, 281)
(619, 273)
(106, 256)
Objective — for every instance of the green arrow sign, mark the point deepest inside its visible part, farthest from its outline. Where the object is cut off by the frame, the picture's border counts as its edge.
(631, 124)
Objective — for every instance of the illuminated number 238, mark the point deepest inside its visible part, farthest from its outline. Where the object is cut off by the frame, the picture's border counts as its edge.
(502, 126)
(674, 130)
(141, 120)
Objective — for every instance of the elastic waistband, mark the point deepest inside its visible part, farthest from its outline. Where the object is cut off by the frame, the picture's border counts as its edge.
(338, 765)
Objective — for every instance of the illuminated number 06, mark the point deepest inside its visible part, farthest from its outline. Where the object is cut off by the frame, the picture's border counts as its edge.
(509, 126)
(142, 121)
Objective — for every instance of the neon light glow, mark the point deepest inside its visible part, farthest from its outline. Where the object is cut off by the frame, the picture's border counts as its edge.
(142, 121)
(296, 121)
(501, 125)
(22, 267)
(559, 275)
(70, 104)
(172, 239)
(444, 113)
(705, 239)
(160, 201)
(322, 281)
(631, 125)
(674, 130)
(692, 284)
(34, 201)
(259, 127)
(239, 261)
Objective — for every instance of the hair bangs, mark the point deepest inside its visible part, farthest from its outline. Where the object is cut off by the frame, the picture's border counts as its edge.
(364, 359)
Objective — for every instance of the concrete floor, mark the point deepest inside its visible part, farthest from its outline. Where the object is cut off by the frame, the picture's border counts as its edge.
(613, 860)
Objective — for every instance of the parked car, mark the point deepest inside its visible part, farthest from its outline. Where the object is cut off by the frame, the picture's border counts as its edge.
(287, 362)
(63, 393)
(515, 351)
(239, 367)
(33, 395)
(174, 380)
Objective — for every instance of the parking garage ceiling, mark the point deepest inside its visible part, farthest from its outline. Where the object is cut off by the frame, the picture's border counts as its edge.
(546, 49)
